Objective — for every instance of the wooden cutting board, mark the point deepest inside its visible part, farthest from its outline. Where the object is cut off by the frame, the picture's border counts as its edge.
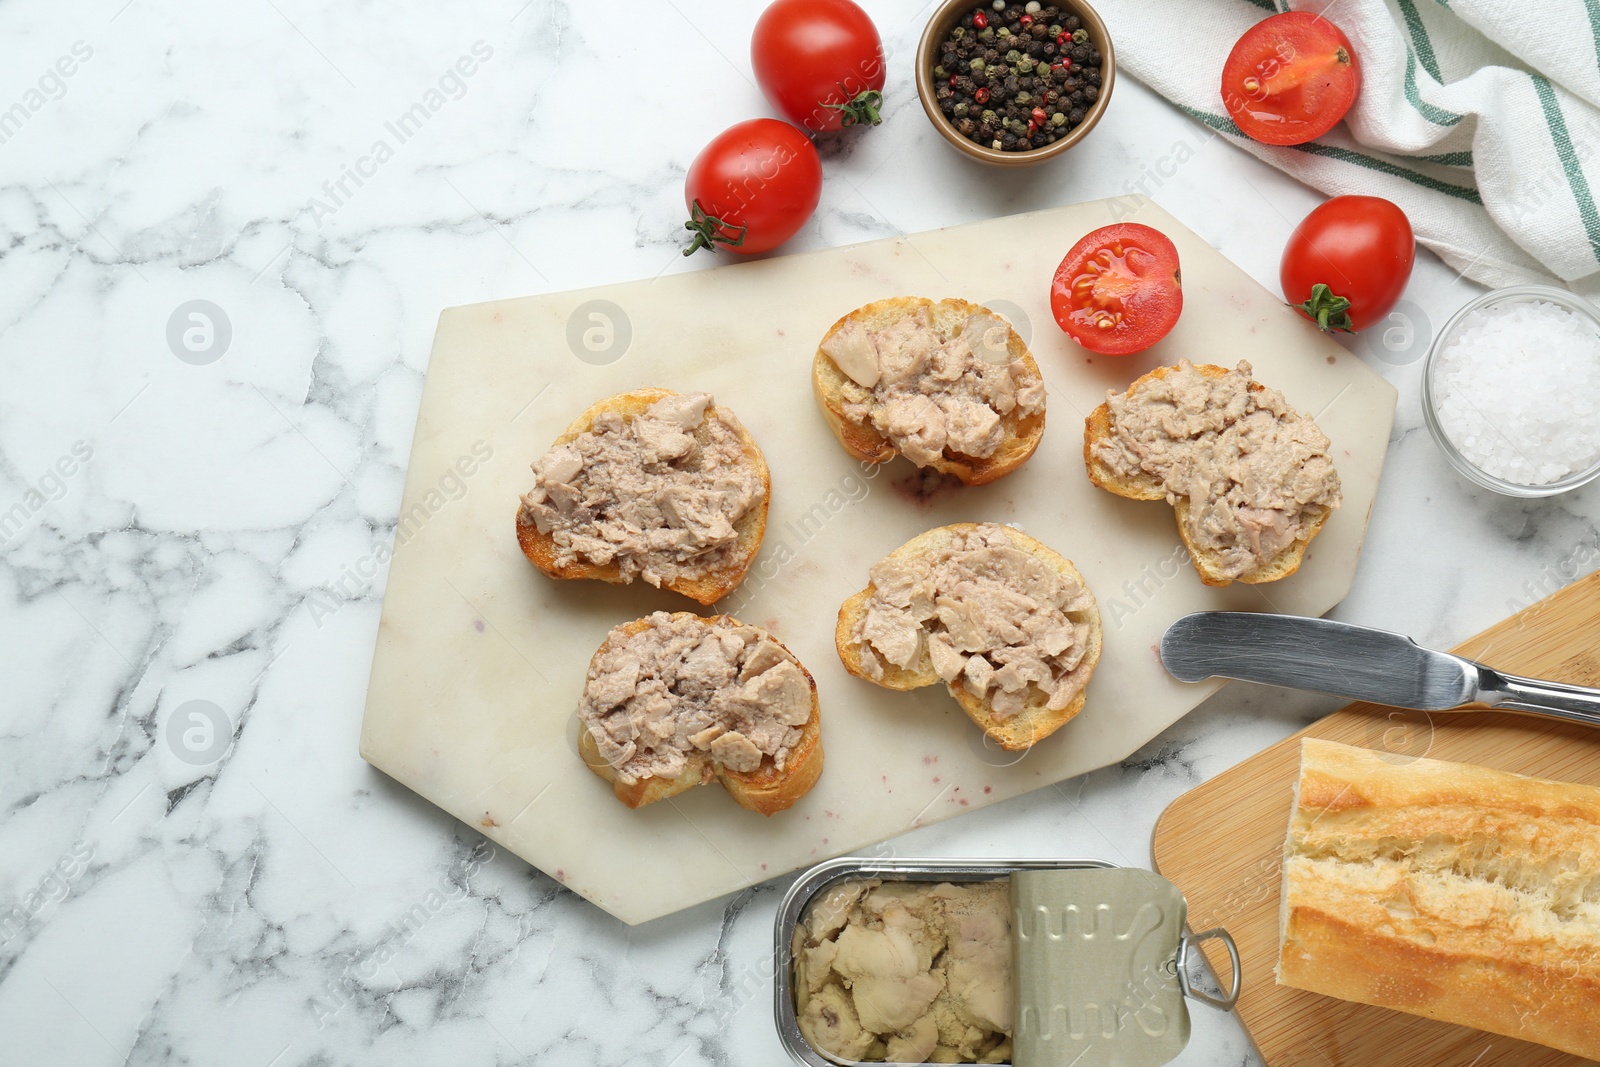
(1221, 843)
(480, 659)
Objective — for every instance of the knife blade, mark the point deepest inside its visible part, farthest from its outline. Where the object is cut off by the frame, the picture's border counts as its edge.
(1358, 662)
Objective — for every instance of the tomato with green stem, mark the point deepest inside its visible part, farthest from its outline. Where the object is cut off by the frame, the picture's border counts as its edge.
(1119, 290)
(752, 188)
(1348, 261)
(820, 63)
(1290, 79)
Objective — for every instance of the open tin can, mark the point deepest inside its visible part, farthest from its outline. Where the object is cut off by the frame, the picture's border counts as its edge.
(1099, 957)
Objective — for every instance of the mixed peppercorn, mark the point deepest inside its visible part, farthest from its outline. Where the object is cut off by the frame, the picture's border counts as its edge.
(1015, 76)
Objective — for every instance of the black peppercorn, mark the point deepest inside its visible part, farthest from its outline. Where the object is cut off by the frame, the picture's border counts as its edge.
(1000, 70)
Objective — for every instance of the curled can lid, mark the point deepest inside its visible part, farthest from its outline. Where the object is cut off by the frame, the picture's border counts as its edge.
(1099, 969)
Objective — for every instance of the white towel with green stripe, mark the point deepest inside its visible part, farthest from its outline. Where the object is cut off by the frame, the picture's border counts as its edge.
(1480, 118)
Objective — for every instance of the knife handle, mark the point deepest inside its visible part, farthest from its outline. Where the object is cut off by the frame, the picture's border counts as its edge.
(1507, 692)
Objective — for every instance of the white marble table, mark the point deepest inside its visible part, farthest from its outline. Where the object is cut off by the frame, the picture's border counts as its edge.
(209, 529)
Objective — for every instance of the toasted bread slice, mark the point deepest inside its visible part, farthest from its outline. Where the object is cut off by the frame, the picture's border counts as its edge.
(863, 441)
(765, 789)
(707, 587)
(1145, 486)
(1035, 721)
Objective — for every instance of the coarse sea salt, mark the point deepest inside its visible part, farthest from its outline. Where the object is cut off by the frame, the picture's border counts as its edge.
(1517, 391)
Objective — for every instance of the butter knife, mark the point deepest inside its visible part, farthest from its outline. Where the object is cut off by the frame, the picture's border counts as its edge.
(1357, 662)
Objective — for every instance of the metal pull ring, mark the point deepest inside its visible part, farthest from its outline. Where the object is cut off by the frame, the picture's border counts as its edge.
(1185, 944)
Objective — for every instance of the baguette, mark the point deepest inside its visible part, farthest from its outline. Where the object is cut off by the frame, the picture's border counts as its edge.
(706, 583)
(1445, 890)
(1215, 565)
(837, 394)
(776, 783)
(1013, 730)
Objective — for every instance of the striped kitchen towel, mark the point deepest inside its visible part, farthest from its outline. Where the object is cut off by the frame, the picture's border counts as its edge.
(1480, 118)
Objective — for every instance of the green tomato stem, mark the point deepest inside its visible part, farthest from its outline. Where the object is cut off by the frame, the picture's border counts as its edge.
(1328, 310)
(708, 231)
(862, 110)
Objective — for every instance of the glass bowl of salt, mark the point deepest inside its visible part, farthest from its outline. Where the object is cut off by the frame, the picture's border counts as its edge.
(1511, 391)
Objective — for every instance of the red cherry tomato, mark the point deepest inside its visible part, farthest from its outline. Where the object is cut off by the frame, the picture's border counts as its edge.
(1290, 78)
(752, 187)
(1118, 290)
(820, 63)
(1348, 261)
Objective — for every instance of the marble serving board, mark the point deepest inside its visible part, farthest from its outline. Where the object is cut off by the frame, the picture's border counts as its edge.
(480, 659)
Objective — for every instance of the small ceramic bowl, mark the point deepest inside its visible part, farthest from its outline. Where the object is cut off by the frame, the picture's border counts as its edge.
(939, 26)
(1431, 389)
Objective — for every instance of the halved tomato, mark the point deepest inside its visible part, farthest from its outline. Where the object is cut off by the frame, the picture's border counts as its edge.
(1118, 291)
(1290, 78)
